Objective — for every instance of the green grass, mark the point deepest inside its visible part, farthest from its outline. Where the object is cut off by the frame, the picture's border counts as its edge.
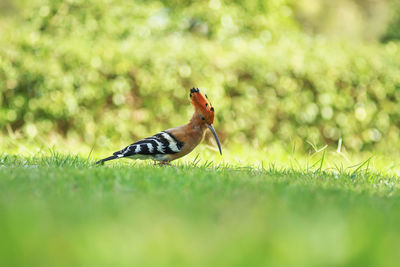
(64, 211)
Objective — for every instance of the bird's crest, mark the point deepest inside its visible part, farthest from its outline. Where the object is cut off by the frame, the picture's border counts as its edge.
(200, 102)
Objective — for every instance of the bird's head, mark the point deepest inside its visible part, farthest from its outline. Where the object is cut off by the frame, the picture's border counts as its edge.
(205, 112)
(202, 106)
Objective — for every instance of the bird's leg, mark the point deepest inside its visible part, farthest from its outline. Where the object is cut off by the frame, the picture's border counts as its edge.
(165, 163)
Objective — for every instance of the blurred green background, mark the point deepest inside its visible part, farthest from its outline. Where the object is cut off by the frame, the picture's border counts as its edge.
(103, 73)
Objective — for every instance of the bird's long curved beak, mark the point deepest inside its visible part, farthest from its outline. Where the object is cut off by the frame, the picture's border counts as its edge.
(210, 126)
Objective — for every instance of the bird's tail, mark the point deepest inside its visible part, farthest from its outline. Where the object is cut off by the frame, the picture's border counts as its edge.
(106, 159)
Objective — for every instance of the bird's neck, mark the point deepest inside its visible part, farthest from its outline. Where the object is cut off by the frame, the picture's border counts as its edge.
(196, 126)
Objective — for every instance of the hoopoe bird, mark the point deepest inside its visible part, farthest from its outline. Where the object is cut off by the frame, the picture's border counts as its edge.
(177, 142)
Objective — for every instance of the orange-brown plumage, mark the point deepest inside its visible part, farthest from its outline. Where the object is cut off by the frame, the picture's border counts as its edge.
(202, 106)
(176, 142)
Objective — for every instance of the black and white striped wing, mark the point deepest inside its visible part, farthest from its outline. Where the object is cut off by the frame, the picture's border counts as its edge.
(162, 143)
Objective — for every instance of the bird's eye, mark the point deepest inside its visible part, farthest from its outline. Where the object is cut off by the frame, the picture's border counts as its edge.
(202, 118)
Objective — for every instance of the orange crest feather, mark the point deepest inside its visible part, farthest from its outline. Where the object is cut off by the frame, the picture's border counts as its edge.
(202, 104)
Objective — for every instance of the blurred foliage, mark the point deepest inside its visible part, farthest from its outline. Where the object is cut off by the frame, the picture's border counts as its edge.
(393, 30)
(112, 71)
(350, 19)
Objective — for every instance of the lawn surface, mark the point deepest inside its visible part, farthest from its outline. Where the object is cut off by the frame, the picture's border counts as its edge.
(63, 211)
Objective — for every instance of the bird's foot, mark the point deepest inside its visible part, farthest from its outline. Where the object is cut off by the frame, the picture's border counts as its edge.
(163, 163)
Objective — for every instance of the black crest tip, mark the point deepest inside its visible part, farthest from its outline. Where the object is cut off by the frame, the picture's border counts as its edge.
(194, 90)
